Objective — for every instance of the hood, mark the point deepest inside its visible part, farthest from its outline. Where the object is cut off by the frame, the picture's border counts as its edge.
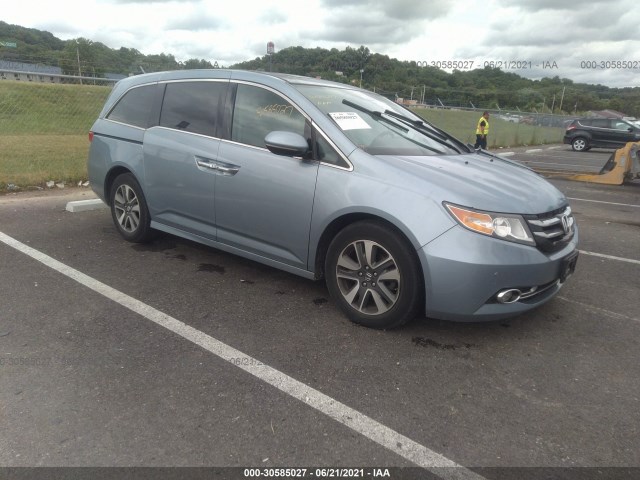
(479, 181)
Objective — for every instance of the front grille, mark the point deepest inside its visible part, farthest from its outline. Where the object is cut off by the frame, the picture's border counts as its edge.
(552, 230)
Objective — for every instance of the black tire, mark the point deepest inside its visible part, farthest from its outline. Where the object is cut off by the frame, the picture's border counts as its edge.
(129, 209)
(372, 274)
(580, 144)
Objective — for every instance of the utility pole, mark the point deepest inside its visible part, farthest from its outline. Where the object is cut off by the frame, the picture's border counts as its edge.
(78, 55)
(361, 72)
(562, 97)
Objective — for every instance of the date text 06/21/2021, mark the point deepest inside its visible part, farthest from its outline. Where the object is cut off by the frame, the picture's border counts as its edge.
(501, 64)
(319, 472)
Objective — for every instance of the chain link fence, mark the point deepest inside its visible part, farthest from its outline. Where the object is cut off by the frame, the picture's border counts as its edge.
(42, 107)
(44, 127)
(44, 124)
(507, 128)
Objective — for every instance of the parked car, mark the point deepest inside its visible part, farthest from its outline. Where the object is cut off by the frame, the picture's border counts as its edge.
(326, 180)
(585, 133)
(509, 117)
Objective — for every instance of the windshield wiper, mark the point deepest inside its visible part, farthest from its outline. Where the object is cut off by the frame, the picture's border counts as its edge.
(373, 113)
(379, 116)
(421, 126)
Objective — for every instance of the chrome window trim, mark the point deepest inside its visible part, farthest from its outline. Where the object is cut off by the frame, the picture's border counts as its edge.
(115, 104)
(333, 145)
(233, 142)
(124, 124)
(186, 132)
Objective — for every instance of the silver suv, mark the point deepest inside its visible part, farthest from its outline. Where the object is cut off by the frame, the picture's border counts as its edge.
(326, 180)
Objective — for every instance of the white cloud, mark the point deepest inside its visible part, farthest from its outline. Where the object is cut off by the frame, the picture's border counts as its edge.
(522, 30)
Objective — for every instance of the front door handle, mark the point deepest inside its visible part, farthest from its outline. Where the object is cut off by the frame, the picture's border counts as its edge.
(219, 167)
(206, 164)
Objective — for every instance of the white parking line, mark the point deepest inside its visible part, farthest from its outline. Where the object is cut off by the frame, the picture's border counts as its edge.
(366, 426)
(608, 313)
(533, 150)
(600, 201)
(506, 154)
(610, 257)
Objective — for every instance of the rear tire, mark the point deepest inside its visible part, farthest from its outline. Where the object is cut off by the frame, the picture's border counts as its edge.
(372, 274)
(129, 209)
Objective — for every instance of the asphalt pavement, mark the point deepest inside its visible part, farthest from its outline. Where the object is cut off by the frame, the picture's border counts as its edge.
(174, 354)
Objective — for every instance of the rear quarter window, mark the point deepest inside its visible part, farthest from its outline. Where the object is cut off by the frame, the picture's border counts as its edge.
(193, 106)
(134, 107)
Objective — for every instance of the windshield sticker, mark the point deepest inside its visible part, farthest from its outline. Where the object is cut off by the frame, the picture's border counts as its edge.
(349, 120)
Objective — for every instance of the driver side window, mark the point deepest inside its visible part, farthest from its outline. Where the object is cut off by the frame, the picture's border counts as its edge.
(259, 111)
(618, 125)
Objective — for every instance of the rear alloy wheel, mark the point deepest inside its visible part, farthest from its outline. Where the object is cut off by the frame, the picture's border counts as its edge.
(372, 274)
(579, 144)
(129, 209)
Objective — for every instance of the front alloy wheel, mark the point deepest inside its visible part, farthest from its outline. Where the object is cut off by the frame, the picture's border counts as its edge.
(368, 277)
(372, 273)
(579, 144)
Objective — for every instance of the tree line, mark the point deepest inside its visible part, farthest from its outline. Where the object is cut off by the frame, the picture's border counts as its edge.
(486, 87)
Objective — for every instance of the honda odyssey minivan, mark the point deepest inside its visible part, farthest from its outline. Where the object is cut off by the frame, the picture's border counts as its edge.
(328, 181)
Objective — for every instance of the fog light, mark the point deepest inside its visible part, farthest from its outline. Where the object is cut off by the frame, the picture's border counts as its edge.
(509, 296)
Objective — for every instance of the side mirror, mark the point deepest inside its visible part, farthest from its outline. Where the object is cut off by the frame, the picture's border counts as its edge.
(286, 143)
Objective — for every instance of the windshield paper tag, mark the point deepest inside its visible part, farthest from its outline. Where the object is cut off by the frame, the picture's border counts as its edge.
(349, 120)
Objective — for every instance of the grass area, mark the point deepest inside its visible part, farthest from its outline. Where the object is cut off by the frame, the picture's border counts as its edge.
(42, 108)
(462, 125)
(32, 160)
(43, 131)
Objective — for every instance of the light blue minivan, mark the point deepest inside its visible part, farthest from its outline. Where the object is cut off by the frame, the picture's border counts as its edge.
(326, 180)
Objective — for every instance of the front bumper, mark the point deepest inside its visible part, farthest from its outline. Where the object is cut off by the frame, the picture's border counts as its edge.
(464, 271)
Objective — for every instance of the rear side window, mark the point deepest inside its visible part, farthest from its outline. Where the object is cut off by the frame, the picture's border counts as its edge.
(585, 122)
(193, 106)
(259, 111)
(601, 122)
(134, 107)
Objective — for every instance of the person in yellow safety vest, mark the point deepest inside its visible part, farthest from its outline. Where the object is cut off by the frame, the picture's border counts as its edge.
(482, 130)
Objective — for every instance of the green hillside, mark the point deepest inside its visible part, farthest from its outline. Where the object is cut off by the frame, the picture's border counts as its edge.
(485, 87)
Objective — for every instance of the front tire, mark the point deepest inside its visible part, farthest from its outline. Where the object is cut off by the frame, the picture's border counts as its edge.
(129, 209)
(579, 144)
(372, 273)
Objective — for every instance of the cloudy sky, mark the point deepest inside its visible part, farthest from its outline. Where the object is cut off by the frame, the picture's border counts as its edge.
(549, 37)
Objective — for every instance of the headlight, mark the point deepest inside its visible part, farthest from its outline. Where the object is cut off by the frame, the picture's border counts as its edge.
(498, 225)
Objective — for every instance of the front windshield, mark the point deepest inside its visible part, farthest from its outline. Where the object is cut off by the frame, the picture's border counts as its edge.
(361, 116)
